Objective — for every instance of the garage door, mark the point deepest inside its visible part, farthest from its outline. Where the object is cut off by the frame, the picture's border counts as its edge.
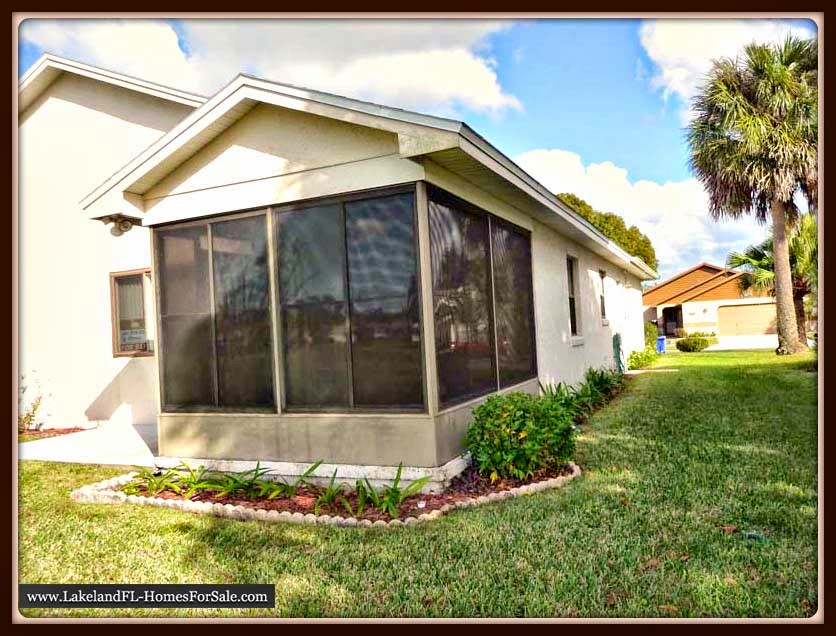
(746, 320)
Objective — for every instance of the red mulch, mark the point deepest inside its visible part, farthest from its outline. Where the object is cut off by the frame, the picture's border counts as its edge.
(51, 432)
(467, 485)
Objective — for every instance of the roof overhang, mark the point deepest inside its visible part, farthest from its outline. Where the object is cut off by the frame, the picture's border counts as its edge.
(449, 143)
(49, 68)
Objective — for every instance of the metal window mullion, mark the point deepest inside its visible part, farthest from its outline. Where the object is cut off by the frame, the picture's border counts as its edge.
(212, 314)
(275, 310)
(493, 302)
(349, 337)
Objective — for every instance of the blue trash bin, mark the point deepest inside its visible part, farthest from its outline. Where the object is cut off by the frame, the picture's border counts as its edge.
(660, 344)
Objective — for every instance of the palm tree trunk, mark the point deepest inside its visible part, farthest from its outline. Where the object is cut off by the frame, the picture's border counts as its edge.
(787, 327)
(800, 317)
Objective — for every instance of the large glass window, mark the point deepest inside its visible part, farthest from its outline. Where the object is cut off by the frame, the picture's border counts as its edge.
(350, 268)
(459, 247)
(383, 287)
(242, 313)
(482, 300)
(186, 317)
(215, 315)
(311, 262)
(514, 304)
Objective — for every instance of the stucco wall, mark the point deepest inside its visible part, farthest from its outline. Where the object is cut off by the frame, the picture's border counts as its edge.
(275, 155)
(70, 139)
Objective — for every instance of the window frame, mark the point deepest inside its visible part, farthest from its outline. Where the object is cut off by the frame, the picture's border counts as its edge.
(341, 200)
(278, 345)
(572, 296)
(114, 313)
(603, 274)
(208, 221)
(444, 197)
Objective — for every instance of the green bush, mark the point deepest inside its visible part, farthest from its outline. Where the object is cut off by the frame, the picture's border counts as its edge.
(641, 359)
(517, 434)
(651, 332)
(692, 343)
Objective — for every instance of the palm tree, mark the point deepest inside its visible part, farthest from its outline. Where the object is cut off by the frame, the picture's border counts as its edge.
(758, 263)
(754, 146)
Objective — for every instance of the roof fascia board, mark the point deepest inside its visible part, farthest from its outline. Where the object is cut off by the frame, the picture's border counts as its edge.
(48, 61)
(244, 87)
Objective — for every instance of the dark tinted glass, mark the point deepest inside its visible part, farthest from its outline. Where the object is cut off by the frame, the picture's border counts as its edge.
(462, 302)
(513, 304)
(385, 329)
(312, 292)
(185, 316)
(242, 313)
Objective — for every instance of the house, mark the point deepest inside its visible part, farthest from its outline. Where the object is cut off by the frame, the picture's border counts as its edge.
(709, 298)
(281, 274)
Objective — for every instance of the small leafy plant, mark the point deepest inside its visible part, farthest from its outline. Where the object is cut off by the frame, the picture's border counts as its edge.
(692, 343)
(642, 359)
(362, 498)
(393, 496)
(517, 434)
(153, 482)
(329, 495)
(193, 480)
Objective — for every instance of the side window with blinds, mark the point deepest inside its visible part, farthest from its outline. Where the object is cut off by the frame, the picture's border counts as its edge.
(131, 329)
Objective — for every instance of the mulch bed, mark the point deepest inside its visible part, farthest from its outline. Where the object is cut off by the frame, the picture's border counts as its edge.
(467, 485)
(50, 432)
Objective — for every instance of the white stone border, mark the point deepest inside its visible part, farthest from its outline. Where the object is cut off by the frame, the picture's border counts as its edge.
(105, 492)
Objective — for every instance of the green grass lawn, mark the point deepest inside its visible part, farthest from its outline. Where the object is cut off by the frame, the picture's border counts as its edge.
(728, 440)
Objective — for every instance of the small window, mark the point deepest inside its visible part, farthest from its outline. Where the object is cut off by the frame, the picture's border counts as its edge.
(130, 327)
(571, 266)
(603, 275)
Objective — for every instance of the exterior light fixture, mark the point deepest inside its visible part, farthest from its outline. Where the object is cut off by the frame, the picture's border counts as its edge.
(120, 223)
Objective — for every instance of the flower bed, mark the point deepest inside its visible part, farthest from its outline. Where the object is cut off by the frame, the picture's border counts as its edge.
(467, 490)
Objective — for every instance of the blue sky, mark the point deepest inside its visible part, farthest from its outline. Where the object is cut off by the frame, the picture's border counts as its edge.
(593, 106)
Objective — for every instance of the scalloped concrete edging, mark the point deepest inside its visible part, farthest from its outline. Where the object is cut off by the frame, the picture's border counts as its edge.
(104, 492)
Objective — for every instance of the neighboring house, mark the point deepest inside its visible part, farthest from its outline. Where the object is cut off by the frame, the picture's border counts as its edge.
(709, 298)
(290, 275)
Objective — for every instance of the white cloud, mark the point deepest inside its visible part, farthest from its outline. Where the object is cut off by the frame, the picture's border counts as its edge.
(682, 49)
(674, 214)
(441, 66)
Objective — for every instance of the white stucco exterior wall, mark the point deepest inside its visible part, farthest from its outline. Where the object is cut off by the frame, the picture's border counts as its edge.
(77, 133)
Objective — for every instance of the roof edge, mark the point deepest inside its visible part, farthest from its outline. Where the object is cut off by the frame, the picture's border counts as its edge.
(61, 64)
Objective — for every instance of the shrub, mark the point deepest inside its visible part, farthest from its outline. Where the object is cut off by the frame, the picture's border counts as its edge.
(679, 332)
(28, 418)
(641, 359)
(517, 434)
(651, 332)
(692, 343)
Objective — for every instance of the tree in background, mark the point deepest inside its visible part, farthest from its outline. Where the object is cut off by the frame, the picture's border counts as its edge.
(613, 227)
(759, 264)
(754, 146)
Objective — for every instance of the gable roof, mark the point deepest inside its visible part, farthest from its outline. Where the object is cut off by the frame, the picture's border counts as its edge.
(724, 273)
(451, 143)
(696, 294)
(676, 277)
(49, 67)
